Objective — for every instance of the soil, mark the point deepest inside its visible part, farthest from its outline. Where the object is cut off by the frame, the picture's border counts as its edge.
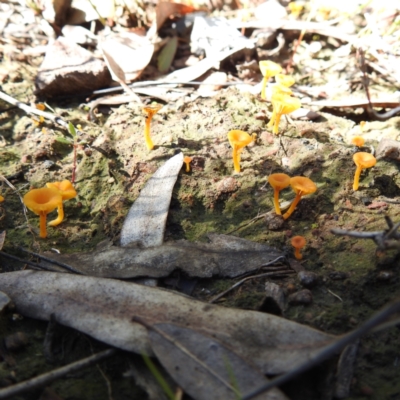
(113, 164)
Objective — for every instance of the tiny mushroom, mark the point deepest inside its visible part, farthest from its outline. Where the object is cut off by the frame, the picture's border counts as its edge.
(238, 139)
(301, 186)
(150, 111)
(362, 160)
(268, 69)
(1, 198)
(41, 202)
(298, 242)
(278, 181)
(282, 104)
(187, 160)
(358, 141)
(67, 191)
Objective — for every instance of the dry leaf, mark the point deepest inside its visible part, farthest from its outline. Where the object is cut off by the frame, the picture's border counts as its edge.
(145, 222)
(203, 367)
(167, 55)
(103, 308)
(130, 52)
(225, 256)
(165, 10)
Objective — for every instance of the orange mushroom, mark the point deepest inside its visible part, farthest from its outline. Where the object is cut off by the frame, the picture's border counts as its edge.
(41, 202)
(362, 160)
(298, 242)
(268, 69)
(1, 198)
(67, 191)
(238, 140)
(301, 186)
(150, 111)
(282, 104)
(187, 160)
(278, 181)
(358, 141)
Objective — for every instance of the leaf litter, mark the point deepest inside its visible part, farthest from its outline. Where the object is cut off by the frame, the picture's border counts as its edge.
(319, 149)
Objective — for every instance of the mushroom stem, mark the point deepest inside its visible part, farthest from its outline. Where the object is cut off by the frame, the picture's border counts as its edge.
(149, 142)
(59, 219)
(43, 229)
(276, 202)
(292, 207)
(357, 177)
(276, 123)
(298, 254)
(236, 158)
(263, 87)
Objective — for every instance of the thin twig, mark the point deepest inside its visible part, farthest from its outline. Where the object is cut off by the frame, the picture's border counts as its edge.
(51, 261)
(329, 350)
(45, 379)
(263, 275)
(35, 111)
(31, 263)
(364, 79)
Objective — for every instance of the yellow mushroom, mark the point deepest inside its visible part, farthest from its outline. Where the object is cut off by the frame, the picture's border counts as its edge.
(238, 140)
(150, 111)
(362, 160)
(282, 104)
(268, 70)
(67, 191)
(278, 181)
(301, 186)
(41, 202)
(187, 160)
(298, 242)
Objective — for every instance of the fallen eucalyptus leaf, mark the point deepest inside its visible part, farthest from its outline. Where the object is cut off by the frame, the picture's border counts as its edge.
(129, 53)
(167, 55)
(103, 308)
(226, 256)
(145, 222)
(193, 359)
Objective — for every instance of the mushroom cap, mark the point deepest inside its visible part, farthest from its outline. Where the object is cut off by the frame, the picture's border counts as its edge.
(298, 242)
(285, 104)
(303, 185)
(152, 109)
(269, 68)
(358, 141)
(187, 159)
(239, 138)
(284, 80)
(43, 200)
(65, 188)
(364, 160)
(279, 181)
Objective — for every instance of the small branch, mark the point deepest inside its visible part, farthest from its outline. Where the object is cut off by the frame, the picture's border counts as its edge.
(263, 275)
(330, 350)
(35, 111)
(385, 240)
(51, 376)
(365, 81)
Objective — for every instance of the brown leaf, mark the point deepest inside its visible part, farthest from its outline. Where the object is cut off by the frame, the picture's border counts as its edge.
(128, 52)
(226, 256)
(193, 359)
(103, 308)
